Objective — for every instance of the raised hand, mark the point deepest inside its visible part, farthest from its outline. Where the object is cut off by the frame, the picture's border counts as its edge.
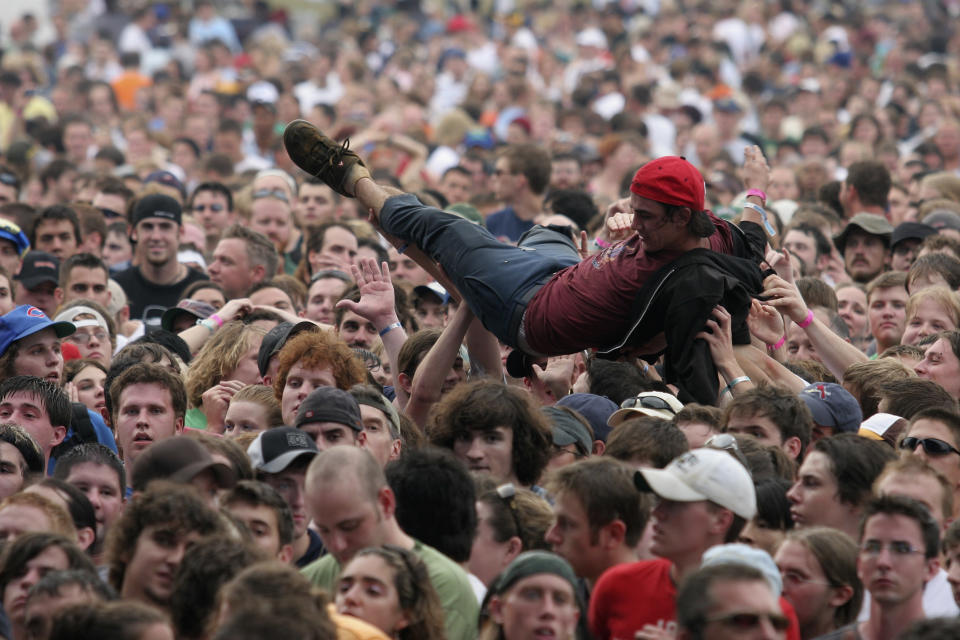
(376, 293)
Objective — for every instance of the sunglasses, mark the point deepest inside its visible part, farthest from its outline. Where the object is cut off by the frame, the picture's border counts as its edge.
(279, 194)
(215, 207)
(745, 621)
(931, 446)
(9, 179)
(726, 442)
(647, 402)
(508, 493)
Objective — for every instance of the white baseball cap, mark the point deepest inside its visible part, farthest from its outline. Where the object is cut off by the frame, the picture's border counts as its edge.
(703, 474)
(657, 404)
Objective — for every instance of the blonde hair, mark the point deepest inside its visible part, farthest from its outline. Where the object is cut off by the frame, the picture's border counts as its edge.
(944, 297)
(221, 354)
(60, 521)
(262, 395)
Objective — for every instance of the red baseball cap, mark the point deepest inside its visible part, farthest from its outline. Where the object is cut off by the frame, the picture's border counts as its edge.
(670, 180)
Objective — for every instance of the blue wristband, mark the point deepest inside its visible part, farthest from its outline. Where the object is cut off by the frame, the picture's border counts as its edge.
(389, 328)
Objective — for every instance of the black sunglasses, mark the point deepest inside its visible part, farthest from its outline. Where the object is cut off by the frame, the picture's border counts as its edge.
(647, 402)
(932, 446)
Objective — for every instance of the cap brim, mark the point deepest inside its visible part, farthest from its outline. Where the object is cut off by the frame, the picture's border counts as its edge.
(63, 329)
(284, 460)
(225, 475)
(620, 415)
(171, 315)
(665, 485)
(32, 282)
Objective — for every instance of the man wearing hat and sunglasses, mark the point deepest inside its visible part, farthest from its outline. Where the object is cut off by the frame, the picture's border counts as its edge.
(542, 300)
(157, 281)
(703, 498)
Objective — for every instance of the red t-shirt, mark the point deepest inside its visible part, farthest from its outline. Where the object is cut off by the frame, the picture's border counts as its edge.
(628, 597)
(588, 304)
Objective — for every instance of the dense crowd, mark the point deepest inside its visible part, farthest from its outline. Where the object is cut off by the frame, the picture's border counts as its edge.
(493, 319)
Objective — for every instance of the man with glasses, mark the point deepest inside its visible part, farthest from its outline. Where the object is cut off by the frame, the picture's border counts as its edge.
(212, 207)
(242, 259)
(729, 600)
(703, 498)
(520, 176)
(157, 280)
(934, 435)
(899, 554)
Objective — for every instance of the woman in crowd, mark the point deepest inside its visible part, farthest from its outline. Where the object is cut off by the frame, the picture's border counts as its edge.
(389, 587)
(941, 362)
(85, 379)
(509, 521)
(818, 566)
(252, 409)
(225, 364)
(930, 311)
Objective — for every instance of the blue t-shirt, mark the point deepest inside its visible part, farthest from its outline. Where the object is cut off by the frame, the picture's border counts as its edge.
(506, 224)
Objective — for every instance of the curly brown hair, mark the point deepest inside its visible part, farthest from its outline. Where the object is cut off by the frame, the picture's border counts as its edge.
(319, 349)
(175, 507)
(485, 405)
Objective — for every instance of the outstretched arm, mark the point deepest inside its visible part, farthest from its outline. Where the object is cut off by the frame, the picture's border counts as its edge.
(836, 353)
(436, 365)
(377, 306)
(197, 335)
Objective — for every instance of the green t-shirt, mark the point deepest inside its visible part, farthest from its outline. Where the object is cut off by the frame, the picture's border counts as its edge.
(195, 419)
(460, 608)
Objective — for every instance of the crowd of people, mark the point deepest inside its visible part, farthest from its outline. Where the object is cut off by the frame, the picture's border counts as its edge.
(501, 320)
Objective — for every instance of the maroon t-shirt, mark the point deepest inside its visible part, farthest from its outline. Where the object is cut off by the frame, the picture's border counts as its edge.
(588, 304)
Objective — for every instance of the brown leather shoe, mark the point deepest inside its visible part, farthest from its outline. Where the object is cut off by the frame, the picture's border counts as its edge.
(320, 156)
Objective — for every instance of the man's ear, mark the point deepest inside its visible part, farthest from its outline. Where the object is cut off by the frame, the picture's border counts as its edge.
(285, 555)
(405, 382)
(178, 426)
(792, 447)
(259, 273)
(59, 433)
(599, 446)
(361, 438)
(387, 501)
(58, 295)
(85, 537)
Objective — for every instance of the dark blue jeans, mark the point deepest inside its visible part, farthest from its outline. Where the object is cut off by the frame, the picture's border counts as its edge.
(496, 280)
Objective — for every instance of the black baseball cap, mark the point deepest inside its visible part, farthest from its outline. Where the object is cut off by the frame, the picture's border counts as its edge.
(37, 268)
(276, 338)
(329, 404)
(157, 205)
(275, 449)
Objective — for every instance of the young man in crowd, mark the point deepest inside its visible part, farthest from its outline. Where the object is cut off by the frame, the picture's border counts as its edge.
(331, 417)
(99, 474)
(354, 508)
(266, 514)
(39, 407)
(772, 415)
(84, 275)
(280, 458)
(598, 517)
(694, 511)
(887, 308)
(157, 279)
(242, 259)
(212, 207)
(150, 539)
(149, 404)
(37, 282)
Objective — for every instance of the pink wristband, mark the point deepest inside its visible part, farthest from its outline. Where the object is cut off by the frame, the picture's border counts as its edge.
(806, 321)
(774, 347)
(758, 194)
(603, 244)
(217, 319)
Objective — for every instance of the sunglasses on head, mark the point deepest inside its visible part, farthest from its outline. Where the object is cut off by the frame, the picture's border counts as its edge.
(279, 194)
(931, 446)
(647, 402)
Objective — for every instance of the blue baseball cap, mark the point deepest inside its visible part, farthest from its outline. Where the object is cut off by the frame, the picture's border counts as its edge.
(25, 321)
(11, 232)
(833, 406)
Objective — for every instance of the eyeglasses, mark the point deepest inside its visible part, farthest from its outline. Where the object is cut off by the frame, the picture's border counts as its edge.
(84, 338)
(647, 402)
(931, 446)
(745, 620)
(558, 451)
(279, 194)
(216, 207)
(508, 493)
(110, 213)
(897, 548)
